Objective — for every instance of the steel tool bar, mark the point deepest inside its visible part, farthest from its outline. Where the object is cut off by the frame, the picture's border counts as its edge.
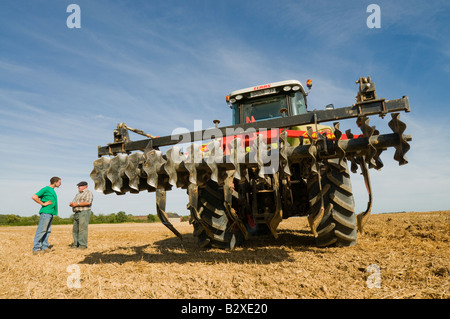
(380, 107)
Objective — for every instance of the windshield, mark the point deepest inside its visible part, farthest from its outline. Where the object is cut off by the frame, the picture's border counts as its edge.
(269, 107)
(264, 108)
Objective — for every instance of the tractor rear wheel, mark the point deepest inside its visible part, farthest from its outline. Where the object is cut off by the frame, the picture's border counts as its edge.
(338, 225)
(214, 228)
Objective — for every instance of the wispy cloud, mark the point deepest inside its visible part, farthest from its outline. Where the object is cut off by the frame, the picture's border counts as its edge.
(161, 66)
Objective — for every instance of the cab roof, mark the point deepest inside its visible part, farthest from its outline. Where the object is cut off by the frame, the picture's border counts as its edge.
(268, 85)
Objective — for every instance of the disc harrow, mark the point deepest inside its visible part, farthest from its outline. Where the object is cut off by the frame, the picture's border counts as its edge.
(153, 171)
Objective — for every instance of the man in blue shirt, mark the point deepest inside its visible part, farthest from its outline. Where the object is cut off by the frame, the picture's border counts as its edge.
(48, 200)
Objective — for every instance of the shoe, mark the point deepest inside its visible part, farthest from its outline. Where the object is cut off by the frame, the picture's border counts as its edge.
(38, 252)
(81, 247)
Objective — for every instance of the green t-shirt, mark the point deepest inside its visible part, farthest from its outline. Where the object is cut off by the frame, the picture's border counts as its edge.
(45, 194)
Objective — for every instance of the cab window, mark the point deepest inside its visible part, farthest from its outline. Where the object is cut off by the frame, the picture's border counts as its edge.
(298, 103)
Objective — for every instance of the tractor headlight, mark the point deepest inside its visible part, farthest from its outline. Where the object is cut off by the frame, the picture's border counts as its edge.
(287, 88)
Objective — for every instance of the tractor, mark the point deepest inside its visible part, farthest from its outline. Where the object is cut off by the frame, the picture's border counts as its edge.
(277, 160)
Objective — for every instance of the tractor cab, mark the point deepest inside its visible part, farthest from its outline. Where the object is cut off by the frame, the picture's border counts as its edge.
(285, 98)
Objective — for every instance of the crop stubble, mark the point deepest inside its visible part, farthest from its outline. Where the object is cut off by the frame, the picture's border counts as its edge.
(148, 261)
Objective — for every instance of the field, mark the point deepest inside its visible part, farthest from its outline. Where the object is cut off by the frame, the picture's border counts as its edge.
(403, 255)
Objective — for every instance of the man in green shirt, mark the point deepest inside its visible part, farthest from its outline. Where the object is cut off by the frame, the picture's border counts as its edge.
(48, 200)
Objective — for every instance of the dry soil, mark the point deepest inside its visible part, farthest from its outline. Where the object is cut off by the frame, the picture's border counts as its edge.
(403, 255)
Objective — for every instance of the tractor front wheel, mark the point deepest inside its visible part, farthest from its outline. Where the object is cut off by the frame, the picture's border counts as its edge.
(214, 228)
(338, 224)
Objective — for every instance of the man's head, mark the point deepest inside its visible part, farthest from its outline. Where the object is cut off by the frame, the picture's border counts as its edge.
(82, 186)
(55, 181)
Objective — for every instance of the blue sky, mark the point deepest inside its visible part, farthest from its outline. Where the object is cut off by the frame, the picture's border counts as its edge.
(159, 65)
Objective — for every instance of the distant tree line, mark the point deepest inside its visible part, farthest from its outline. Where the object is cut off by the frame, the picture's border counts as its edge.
(120, 217)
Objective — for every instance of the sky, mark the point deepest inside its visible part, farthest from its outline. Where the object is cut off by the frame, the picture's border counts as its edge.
(160, 65)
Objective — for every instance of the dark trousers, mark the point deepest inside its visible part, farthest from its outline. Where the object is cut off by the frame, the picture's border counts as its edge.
(80, 228)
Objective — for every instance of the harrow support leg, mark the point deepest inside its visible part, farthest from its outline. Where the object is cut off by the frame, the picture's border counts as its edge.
(278, 216)
(228, 190)
(315, 219)
(160, 209)
(362, 218)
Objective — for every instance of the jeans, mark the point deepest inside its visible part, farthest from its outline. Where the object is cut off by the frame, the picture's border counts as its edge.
(43, 232)
(80, 228)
